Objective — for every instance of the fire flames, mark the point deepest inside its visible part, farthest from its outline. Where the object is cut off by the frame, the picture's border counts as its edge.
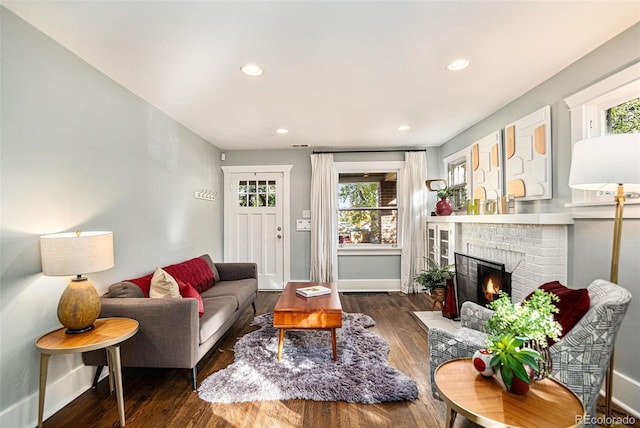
(490, 290)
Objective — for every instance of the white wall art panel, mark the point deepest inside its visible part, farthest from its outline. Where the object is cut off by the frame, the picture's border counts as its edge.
(486, 162)
(528, 156)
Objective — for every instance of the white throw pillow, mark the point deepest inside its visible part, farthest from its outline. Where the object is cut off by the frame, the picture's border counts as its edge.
(163, 285)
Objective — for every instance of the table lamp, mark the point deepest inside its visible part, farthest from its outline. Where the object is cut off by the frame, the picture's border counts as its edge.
(65, 254)
(608, 163)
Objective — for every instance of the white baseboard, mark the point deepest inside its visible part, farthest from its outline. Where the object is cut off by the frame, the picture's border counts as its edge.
(59, 393)
(369, 285)
(626, 393)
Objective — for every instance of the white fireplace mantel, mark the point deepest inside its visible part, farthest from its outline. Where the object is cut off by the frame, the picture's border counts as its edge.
(533, 247)
(536, 219)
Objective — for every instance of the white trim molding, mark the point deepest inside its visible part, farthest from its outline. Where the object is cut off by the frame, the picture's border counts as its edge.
(369, 285)
(286, 209)
(588, 119)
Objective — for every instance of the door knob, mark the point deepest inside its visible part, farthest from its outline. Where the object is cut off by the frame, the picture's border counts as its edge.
(279, 236)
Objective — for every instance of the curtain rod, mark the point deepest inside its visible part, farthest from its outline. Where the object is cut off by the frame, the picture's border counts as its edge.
(370, 151)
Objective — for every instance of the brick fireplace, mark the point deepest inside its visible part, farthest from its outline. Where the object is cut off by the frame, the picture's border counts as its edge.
(532, 247)
(534, 254)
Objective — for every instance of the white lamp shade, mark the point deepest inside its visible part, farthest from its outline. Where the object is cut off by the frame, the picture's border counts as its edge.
(602, 163)
(65, 254)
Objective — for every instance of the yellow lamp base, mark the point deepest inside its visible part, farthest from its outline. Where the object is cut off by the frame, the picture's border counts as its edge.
(79, 306)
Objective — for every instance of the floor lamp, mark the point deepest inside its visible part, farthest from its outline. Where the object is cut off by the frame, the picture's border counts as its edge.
(608, 163)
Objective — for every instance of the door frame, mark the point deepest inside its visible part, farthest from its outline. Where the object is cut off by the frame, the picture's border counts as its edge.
(228, 172)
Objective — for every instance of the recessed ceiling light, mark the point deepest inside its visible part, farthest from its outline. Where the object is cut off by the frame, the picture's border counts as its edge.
(458, 64)
(282, 131)
(251, 70)
(404, 128)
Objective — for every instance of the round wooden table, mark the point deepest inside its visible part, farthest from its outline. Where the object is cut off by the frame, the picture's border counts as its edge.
(107, 334)
(485, 401)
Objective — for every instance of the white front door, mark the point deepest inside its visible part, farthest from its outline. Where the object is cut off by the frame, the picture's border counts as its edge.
(254, 223)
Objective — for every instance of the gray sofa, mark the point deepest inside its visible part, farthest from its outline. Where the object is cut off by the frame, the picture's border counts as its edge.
(171, 332)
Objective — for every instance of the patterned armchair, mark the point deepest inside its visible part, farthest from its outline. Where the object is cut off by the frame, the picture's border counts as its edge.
(580, 357)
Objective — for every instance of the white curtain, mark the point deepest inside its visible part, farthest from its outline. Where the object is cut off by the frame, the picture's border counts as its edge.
(414, 219)
(324, 230)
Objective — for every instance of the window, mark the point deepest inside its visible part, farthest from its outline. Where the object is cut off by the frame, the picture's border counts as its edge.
(609, 106)
(624, 118)
(368, 205)
(257, 193)
(455, 167)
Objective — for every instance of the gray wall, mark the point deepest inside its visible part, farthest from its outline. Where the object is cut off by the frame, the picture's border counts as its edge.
(350, 267)
(589, 240)
(79, 152)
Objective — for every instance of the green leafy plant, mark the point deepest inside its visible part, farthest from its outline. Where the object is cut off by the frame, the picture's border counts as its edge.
(533, 318)
(435, 276)
(445, 193)
(510, 358)
(514, 326)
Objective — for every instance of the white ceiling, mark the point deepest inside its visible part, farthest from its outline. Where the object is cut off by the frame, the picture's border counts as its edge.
(337, 73)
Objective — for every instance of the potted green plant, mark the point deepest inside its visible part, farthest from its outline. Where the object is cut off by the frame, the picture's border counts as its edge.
(519, 333)
(435, 277)
(443, 206)
(510, 357)
(434, 280)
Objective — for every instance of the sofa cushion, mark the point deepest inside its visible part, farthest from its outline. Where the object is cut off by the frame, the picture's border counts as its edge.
(572, 306)
(186, 290)
(214, 269)
(241, 290)
(217, 311)
(144, 282)
(195, 272)
(163, 285)
(124, 289)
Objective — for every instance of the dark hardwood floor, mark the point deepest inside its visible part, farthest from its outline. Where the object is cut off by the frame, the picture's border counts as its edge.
(163, 397)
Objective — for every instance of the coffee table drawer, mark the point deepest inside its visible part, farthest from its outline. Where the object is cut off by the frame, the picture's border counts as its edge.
(312, 320)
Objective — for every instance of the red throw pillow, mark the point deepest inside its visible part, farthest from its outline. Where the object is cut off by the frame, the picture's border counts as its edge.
(572, 306)
(186, 290)
(195, 272)
(144, 282)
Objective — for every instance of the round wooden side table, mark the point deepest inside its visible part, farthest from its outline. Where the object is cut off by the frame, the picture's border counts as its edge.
(107, 334)
(484, 401)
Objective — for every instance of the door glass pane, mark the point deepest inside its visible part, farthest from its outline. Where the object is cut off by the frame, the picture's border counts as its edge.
(257, 193)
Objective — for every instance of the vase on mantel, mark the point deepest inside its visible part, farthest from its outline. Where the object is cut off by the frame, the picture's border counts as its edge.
(443, 207)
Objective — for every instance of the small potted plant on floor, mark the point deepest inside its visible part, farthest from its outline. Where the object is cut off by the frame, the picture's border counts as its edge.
(519, 334)
(435, 278)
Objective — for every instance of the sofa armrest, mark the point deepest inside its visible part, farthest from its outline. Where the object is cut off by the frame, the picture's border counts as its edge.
(168, 334)
(474, 316)
(237, 270)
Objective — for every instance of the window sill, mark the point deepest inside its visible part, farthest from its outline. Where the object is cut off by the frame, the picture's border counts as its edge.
(369, 250)
(604, 209)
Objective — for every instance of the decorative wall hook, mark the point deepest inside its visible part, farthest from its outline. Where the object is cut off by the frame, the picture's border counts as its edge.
(206, 194)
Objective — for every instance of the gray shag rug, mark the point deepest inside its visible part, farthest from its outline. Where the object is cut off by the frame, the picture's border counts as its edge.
(307, 371)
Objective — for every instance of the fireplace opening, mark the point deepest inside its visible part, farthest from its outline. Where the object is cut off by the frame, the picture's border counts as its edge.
(479, 280)
(491, 282)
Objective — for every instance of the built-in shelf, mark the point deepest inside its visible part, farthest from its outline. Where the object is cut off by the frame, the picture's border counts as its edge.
(548, 219)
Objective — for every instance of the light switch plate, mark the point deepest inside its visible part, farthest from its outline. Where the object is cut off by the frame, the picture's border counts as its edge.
(306, 213)
(303, 225)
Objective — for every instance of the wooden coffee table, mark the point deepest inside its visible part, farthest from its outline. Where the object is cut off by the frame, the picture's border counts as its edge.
(294, 312)
(484, 401)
